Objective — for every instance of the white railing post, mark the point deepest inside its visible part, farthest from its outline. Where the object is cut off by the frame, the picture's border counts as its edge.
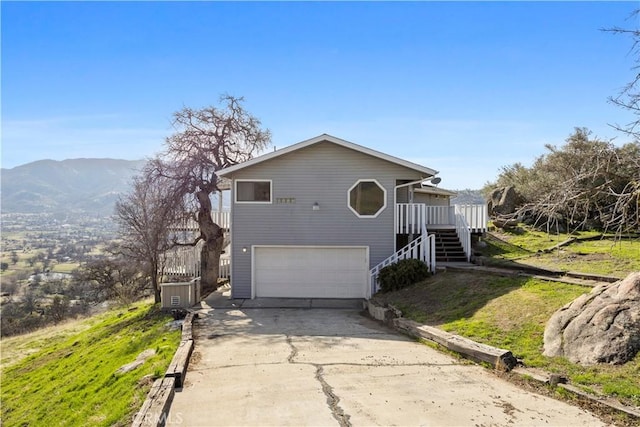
(432, 253)
(464, 234)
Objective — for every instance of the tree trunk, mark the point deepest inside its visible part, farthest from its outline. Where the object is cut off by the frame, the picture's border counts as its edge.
(213, 237)
(210, 259)
(156, 288)
(154, 281)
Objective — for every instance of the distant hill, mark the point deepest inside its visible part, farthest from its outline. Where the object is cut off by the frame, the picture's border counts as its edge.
(468, 197)
(75, 185)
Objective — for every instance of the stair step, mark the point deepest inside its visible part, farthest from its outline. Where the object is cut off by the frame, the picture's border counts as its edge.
(448, 246)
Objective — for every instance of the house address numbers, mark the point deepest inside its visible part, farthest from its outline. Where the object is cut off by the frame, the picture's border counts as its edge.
(286, 200)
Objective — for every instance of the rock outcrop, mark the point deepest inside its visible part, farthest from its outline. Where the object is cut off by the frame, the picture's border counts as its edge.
(600, 327)
(503, 201)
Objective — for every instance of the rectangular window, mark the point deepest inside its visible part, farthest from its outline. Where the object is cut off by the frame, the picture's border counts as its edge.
(255, 191)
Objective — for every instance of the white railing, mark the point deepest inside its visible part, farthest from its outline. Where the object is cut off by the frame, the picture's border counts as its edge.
(185, 261)
(464, 235)
(476, 216)
(411, 216)
(439, 215)
(422, 248)
(222, 218)
(225, 268)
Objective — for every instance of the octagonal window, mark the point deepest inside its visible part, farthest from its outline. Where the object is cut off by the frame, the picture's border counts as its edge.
(367, 198)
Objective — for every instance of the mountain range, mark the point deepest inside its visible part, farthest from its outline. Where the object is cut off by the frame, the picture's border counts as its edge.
(86, 186)
(74, 185)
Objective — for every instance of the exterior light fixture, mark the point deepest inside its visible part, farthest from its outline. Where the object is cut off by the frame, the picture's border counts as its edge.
(316, 206)
(244, 249)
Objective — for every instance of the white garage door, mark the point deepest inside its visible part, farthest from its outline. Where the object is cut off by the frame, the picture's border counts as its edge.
(310, 272)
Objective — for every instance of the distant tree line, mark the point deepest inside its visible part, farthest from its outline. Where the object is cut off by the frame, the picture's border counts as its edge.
(42, 302)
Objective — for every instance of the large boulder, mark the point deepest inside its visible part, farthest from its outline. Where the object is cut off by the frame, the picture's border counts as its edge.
(600, 327)
(503, 201)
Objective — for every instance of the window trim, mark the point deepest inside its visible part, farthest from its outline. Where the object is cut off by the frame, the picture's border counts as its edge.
(384, 197)
(252, 202)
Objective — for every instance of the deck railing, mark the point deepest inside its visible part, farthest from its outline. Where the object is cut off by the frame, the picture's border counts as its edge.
(411, 216)
(222, 218)
(422, 248)
(185, 262)
(476, 216)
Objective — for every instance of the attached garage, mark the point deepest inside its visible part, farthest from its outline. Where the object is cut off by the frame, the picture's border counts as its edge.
(310, 271)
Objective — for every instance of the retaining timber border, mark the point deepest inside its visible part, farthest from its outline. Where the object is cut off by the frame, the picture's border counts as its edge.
(155, 409)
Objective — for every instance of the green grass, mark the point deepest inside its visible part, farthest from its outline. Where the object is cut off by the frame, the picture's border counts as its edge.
(605, 256)
(65, 267)
(17, 347)
(70, 379)
(510, 313)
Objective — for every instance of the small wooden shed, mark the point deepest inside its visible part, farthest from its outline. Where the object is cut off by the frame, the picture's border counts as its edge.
(180, 294)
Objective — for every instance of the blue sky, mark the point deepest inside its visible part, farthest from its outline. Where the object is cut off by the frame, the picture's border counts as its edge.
(463, 88)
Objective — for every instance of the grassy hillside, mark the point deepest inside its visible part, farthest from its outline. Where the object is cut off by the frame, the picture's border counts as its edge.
(70, 376)
(589, 252)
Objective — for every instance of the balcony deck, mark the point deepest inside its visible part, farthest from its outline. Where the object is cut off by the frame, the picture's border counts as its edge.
(411, 216)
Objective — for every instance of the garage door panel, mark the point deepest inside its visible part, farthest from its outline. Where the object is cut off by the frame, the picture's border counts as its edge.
(311, 272)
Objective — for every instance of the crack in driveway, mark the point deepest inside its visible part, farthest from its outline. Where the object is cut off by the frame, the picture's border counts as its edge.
(294, 350)
(332, 399)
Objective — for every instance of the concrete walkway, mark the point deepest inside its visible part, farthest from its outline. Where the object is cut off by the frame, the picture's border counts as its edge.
(221, 299)
(327, 367)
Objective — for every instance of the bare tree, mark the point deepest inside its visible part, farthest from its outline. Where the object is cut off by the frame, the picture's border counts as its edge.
(30, 300)
(585, 184)
(629, 96)
(58, 309)
(116, 277)
(144, 216)
(206, 141)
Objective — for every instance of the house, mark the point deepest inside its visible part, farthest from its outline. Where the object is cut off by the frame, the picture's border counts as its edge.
(318, 219)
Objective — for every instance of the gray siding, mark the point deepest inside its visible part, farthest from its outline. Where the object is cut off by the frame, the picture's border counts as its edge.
(321, 173)
(431, 199)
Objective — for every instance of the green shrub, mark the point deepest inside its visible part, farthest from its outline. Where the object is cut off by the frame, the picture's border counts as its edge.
(403, 273)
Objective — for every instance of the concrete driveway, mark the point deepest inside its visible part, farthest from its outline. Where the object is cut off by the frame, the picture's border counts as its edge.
(328, 367)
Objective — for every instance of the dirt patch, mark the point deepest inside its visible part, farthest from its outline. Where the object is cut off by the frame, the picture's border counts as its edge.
(196, 357)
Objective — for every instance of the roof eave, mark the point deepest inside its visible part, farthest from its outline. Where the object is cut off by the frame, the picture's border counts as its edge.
(435, 190)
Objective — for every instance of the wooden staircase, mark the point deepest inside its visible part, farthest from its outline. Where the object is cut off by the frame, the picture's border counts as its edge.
(448, 246)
